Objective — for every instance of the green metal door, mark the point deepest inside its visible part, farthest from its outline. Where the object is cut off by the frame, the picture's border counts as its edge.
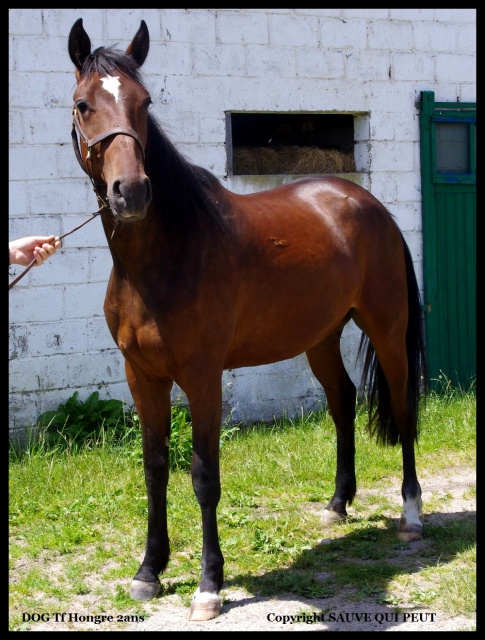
(448, 178)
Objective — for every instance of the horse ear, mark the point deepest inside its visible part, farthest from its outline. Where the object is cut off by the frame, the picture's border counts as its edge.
(79, 44)
(138, 48)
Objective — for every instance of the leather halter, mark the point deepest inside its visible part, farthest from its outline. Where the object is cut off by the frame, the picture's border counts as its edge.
(90, 142)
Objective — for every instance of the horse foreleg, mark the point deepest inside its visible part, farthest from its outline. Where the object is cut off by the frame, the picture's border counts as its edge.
(152, 402)
(326, 363)
(206, 411)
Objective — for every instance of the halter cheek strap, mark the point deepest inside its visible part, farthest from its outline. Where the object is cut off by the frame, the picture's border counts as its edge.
(90, 142)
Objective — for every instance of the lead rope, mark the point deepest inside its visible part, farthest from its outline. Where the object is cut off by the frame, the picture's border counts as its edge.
(93, 215)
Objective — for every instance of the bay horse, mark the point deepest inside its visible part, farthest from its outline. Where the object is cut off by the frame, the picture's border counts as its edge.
(205, 280)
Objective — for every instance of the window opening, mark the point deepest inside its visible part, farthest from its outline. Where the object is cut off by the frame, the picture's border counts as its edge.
(289, 143)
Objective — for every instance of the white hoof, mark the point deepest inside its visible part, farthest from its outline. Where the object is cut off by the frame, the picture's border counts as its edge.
(205, 606)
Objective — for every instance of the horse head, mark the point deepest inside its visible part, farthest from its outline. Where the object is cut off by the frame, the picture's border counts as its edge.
(110, 116)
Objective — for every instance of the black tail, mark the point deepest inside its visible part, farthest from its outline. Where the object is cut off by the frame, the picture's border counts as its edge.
(381, 423)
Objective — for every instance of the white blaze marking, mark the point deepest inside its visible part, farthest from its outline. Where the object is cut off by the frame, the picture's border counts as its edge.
(112, 84)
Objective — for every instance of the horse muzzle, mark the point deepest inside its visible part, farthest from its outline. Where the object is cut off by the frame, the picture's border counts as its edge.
(129, 198)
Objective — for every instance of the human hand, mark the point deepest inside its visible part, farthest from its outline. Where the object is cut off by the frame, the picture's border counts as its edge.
(24, 250)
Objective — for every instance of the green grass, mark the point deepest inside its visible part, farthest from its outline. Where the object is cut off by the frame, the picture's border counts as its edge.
(78, 519)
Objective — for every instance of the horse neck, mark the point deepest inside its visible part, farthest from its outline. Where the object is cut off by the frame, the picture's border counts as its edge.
(130, 243)
(145, 249)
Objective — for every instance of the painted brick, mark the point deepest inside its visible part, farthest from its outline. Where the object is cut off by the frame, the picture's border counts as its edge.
(456, 15)
(90, 235)
(36, 304)
(392, 156)
(175, 58)
(409, 66)
(244, 28)
(25, 22)
(293, 31)
(342, 34)
(84, 300)
(188, 25)
(37, 374)
(408, 187)
(367, 14)
(58, 22)
(99, 337)
(30, 225)
(81, 366)
(32, 57)
(217, 60)
(415, 15)
(466, 39)
(390, 36)
(121, 27)
(24, 161)
(65, 337)
(405, 213)
(384, 189)
(367, 66)
(459, 68)
(318, 62)
(435, 36)
(17, 202)
(100, 263)
(59, 196)
(271, 63)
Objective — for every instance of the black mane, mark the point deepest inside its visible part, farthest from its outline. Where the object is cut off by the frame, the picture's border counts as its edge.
(184, 194)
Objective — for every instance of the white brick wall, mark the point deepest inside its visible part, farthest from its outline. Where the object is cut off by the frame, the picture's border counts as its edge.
(202, 63)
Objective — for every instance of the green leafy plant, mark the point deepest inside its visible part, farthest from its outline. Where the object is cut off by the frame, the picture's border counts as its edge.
(76, 422)
(180, 451)
(181, 437)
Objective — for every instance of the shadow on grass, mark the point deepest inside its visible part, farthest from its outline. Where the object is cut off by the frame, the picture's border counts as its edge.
(345, 579)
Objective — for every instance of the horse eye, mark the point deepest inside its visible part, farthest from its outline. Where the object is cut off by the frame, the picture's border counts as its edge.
(148, 102)
(82, 106)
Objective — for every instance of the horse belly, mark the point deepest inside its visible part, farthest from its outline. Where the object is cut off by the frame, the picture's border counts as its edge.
(284, 317)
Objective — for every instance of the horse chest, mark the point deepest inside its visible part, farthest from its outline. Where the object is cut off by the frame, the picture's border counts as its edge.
(135, 330)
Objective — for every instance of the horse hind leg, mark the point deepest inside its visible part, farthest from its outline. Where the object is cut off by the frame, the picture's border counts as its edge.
(396, 422)
(326, 363)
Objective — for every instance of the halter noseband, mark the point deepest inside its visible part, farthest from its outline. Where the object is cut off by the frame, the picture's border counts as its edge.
(90, 142)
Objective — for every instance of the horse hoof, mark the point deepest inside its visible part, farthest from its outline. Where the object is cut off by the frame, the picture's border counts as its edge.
(205, 606)
(332, 516)
(410, 532)
(140, 590)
